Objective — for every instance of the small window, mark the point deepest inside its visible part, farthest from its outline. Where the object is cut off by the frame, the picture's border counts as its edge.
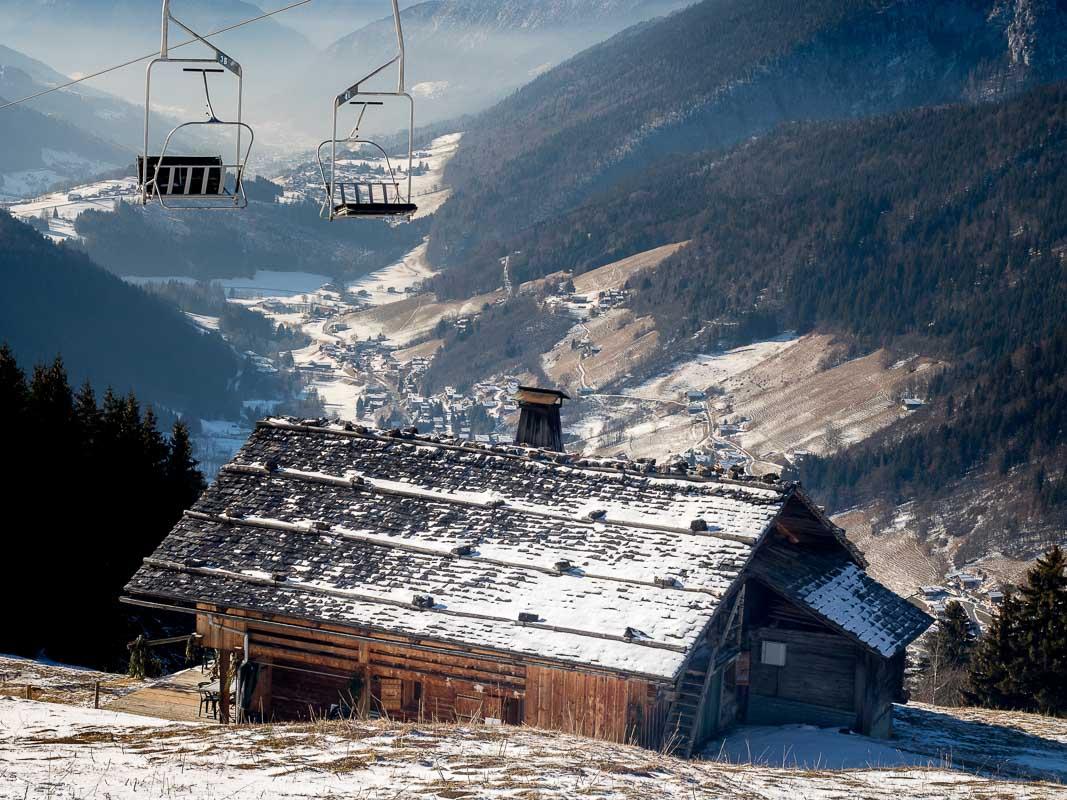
(774, 654)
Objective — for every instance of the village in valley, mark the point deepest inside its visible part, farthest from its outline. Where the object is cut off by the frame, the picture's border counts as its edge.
(618, 403)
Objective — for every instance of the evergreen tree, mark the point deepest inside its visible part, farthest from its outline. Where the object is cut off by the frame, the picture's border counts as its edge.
(185, 480)
(1043, 632)
(993, 680)
(87, 415)
(79, 463)
(1021, 661)
(953, 637)
(14, 393)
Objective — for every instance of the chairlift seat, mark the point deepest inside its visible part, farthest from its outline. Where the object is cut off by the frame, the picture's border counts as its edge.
(372, 200)
(187, 176)
(374, 209)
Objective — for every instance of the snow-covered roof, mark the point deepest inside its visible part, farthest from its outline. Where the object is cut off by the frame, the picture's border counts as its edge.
(836, 589)
(617, 569)
(347, 526)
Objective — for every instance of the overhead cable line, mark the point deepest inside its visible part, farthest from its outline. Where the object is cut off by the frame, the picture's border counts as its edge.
(153, 54)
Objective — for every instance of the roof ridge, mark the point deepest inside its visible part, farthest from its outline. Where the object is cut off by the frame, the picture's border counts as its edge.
(514, 452)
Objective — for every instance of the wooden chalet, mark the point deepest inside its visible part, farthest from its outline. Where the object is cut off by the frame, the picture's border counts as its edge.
(349, 570)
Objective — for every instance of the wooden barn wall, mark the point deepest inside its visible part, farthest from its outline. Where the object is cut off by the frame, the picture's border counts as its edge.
(817, 685)
(604, 707)
(305, 671)
(316, 668)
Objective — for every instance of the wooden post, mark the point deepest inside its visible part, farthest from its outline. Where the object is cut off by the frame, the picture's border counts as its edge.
(96, 694)
(224, 686)
(29, 692)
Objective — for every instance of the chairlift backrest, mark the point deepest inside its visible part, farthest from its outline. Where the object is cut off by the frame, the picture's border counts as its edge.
(194, 182)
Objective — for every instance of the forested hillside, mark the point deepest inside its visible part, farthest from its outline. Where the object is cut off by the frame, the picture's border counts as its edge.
(939, 230)
(266, 236)
(54, 300)
(717, 73)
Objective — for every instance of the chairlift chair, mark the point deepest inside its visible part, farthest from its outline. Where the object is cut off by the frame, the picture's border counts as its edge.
(185, 182)
(387, 199)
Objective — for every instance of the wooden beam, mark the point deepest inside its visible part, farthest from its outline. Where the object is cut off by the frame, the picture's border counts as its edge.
(224, 686)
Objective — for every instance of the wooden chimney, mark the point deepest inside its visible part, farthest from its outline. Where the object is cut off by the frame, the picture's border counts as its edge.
(539, 424)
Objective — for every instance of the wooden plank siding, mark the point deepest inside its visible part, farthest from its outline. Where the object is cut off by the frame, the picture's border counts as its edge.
(598, 706)
(305, 670)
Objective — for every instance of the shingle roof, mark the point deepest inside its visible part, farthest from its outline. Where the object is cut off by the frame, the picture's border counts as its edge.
(345, 526)
(834, 588)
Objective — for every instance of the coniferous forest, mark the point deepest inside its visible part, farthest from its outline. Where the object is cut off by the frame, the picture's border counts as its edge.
(91, 485)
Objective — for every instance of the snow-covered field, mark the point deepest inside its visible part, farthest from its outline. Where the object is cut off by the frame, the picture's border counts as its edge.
(399, 277)
(703, 371)
(62, 208)
(61, 683)
(54, 751)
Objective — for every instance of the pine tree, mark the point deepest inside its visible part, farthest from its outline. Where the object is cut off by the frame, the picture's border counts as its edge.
(1043, 629)
(51, 397)
(954, 638)
(14, 394)
(183, 476)
(1021, 661)
(87, 415)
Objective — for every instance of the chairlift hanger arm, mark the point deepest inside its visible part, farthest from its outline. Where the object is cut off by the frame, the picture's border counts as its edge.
(398, 59)
(221, 58)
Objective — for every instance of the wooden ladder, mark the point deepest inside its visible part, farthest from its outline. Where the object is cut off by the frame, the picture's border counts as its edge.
(688, 706)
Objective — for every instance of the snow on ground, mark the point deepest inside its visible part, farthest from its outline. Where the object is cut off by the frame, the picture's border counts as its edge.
(429, 191)
(61, 683)
(274, 283)
(994, 742)
(615, 275)
(400, 277)
(218, 441)
(62, 208)
(809, 747)
(53, 751)
(703, 371)
(203, 321)
(414, 317)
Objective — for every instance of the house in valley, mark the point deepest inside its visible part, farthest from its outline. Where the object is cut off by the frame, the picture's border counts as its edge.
(353, 570)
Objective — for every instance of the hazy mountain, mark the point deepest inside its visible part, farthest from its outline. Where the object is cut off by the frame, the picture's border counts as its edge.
(97, 113)
(621, 104)
(39, 151)
(463, 55)
(323, 21)
(78, 37)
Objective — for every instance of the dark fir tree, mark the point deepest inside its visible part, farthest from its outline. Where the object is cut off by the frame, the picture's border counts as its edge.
(93, 491)
(1021, 661)
(1043, 632)
(954, 638)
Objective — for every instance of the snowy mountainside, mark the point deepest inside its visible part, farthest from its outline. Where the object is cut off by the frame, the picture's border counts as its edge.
(40, 151)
